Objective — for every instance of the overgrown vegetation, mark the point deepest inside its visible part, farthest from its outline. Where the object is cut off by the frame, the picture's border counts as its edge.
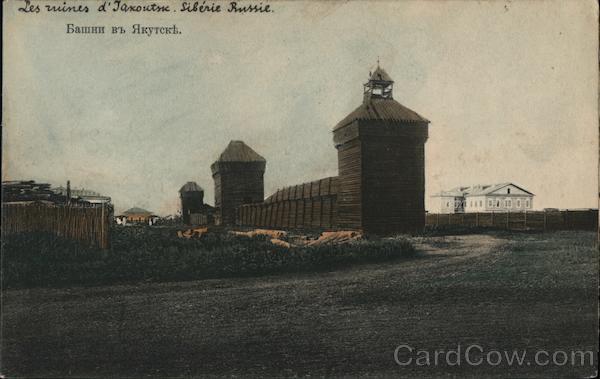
(156, 254)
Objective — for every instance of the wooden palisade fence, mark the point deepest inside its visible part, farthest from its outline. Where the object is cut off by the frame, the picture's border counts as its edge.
(305, 206)
(87, 224)
(532, 220)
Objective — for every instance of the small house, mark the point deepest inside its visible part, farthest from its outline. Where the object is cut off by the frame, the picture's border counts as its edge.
(136, 215)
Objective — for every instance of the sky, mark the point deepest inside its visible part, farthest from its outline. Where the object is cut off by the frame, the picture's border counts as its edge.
(510, 88)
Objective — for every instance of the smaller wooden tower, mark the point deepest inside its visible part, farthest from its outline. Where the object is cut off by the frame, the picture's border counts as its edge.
(238, 176)
(192, 200)
(381, 162)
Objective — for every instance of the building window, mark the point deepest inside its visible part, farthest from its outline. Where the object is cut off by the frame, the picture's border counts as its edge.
(497, 203)
(527, 203)
(448, 204)
(491, 203)
(480, 203)
(508, 190)
(509, 203)
(471, 203)
(518, 203)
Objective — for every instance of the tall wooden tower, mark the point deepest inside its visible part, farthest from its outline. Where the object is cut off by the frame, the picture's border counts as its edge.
(238, 176)
(381, 162)
(192, 200)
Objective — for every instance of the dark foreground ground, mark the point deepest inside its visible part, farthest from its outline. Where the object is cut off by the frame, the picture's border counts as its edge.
(501, 292)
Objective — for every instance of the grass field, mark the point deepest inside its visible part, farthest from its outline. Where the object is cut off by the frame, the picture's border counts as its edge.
(500, 291)
(150, 254)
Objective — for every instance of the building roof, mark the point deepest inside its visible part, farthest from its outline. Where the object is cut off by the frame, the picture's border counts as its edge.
(238, 151)
(137, 211)
(489, 188)
(477, 190)
(454, 192)
(380, 75)
(191, 187)
(381, 109)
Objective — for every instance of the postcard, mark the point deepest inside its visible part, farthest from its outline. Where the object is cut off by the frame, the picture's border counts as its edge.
(300, 188)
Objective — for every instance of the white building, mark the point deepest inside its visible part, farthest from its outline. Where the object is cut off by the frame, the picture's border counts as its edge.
(501, 197)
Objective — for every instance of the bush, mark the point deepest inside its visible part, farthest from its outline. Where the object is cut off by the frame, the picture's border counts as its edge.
(156, 254)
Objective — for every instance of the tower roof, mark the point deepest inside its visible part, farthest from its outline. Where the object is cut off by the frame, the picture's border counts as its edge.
(191, 187)
(238, 151)
(382, 109)
(380, 75)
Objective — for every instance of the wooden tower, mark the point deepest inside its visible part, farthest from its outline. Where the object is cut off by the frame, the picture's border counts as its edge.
(192, 200)
(381, 162)
(238, 176)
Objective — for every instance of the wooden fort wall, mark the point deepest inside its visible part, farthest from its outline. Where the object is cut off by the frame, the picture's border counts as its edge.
(309, 205)
(350, 185)
(393, 180)
(382, 176)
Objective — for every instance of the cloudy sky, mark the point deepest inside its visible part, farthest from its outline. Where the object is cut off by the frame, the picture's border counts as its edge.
(510, 89)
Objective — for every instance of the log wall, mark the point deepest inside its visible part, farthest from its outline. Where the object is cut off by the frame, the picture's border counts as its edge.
(236, 183)
(350, 185)
(191, 202)
(393, 184)
(382, 176)
(309, 205)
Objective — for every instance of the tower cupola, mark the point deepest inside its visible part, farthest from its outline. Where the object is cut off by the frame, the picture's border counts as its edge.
(379, 86)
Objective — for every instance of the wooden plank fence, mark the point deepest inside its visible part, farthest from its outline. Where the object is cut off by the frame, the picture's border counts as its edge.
(87, 224)
(533, 220)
